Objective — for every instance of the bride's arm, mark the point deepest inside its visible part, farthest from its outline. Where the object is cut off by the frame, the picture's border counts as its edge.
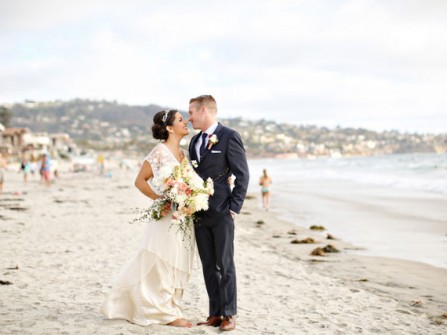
(141, 181)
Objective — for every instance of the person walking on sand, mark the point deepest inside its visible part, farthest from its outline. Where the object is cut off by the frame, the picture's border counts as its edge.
(265, 181)
(150, 287)
(217, 152)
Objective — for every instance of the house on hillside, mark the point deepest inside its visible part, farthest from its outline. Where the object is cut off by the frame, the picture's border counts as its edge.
(38, 143)
(63, 143)
(17, 141)
(13, 139)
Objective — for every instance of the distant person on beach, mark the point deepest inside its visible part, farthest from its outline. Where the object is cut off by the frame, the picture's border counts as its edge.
(26, 169)
(265, 182)
(217, 152)
(33, 166)
(45, 169)
(3, 165)
(100, 160)
(150, 287)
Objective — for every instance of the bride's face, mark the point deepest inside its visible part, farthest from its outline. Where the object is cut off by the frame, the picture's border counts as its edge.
(180, 125)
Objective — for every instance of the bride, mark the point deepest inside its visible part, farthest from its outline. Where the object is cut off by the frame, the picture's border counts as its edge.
(149, 288)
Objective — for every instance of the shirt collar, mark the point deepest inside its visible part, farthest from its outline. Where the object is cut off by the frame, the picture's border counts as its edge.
(212, 128)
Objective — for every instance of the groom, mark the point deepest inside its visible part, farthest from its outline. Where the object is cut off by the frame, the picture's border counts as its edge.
(217, 152)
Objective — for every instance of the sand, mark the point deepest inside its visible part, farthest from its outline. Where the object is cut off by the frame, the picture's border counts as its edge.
(69, 240)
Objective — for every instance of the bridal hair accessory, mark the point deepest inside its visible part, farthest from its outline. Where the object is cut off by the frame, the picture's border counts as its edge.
(165, 117)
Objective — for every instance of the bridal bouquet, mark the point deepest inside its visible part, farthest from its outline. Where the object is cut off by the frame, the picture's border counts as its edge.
(184, 192)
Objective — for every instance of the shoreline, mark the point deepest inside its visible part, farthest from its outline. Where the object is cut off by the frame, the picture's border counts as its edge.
(409, 281)
(69, 240)
(385, 222)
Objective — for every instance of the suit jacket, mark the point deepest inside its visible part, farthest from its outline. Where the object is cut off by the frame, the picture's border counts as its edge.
(223, 159)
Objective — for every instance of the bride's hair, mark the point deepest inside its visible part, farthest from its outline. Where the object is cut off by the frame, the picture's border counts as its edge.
(161, 120)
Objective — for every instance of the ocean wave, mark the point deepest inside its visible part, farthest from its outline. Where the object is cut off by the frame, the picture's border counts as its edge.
(422, 172)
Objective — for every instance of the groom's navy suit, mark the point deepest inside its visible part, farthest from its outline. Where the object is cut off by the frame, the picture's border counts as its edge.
(215, 227)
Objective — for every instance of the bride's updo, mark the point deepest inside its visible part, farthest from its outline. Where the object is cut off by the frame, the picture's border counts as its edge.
(161, 120)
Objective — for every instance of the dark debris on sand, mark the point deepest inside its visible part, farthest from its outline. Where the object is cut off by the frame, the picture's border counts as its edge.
(330, 248)
(5, 282)
(322, 251)
(438, 319)
(308, 240)
(318, 252)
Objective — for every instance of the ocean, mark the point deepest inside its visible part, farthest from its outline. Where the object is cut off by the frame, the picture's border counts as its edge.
(389, 206)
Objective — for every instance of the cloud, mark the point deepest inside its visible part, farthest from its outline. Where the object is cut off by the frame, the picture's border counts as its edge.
(365, 63)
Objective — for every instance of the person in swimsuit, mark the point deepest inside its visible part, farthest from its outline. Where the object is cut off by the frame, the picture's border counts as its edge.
(265, 181)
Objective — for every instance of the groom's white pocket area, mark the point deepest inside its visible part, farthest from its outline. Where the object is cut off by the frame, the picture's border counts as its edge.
(216, 151)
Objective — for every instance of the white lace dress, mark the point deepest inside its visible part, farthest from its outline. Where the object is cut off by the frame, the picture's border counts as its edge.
(149, 288)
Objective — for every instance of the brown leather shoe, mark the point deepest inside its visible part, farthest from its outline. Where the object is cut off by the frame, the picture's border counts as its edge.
(213, 321)
(228, 323)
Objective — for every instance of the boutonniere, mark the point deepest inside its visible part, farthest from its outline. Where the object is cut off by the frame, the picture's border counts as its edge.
(212, 141)
(194, 163)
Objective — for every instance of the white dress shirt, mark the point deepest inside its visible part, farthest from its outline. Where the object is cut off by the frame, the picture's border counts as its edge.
(209, 131)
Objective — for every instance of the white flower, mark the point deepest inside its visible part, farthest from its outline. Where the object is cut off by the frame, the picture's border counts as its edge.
(209, 186)
(212, 141)
(201, 202)
(164, 172)
(196, 182)
(194, 163)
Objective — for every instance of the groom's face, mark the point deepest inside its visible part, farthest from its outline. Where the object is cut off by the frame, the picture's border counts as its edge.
(196, 115)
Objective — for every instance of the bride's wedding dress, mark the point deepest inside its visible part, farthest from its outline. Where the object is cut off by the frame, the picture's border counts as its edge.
(149, 288)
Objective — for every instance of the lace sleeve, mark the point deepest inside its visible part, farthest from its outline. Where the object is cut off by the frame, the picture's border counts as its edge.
(154, 158)
(159, 159)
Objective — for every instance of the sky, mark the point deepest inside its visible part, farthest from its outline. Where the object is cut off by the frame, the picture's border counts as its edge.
(379, 65)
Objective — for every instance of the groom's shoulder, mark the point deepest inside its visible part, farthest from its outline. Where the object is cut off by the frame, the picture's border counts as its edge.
(228, 131)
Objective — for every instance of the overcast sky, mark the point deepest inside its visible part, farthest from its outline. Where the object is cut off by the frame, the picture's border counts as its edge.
(373, 64)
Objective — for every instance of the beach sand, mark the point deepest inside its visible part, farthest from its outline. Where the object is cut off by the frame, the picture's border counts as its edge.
(62, 245)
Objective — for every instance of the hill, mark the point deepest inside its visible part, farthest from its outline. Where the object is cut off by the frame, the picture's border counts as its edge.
(110, 125)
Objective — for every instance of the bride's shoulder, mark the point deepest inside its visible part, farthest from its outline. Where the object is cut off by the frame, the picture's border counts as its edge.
(159, 147)
(156, 152)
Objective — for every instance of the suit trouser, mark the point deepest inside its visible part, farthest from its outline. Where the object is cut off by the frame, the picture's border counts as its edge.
(215, 236)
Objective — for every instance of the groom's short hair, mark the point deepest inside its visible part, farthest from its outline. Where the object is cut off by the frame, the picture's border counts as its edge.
(205, 100)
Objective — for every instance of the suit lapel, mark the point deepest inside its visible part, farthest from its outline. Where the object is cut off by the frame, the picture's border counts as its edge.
(192, 147)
